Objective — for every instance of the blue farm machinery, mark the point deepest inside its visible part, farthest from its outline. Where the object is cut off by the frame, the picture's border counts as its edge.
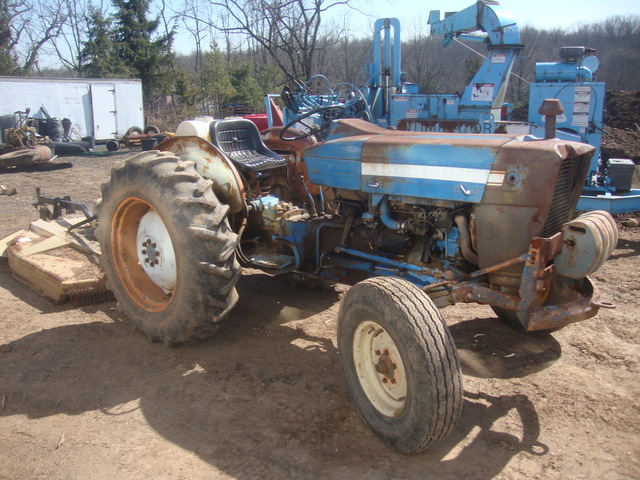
(388, 100)
(415, 221)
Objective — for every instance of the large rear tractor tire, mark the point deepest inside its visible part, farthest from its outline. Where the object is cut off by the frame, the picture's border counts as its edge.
(400, 363)
(167, 248)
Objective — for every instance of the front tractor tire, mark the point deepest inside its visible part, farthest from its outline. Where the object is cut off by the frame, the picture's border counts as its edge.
(400, 363)
(167, 249)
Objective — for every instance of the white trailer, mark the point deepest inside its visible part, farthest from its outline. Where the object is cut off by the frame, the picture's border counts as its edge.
(102, 108)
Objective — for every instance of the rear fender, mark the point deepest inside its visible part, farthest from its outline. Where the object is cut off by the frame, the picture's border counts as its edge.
(212, 164)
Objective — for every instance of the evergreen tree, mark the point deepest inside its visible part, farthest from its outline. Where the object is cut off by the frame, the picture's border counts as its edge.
(185, 88)
(149, 59)
(245, 83)
(99, 56)
(7, 61)
(215, 81)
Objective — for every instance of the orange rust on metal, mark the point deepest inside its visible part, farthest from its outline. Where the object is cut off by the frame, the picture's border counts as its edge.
(535, 290)
(44, 152)
(213, 164)
(465, 293)
(561, 315)
(136, 140)
(123, 243)
(499, 266)
(542, 250)
(271, 138)
(510, 208)
(550, 108)
(385, 365)
(293, 153)
(355, 127)
(488, 296)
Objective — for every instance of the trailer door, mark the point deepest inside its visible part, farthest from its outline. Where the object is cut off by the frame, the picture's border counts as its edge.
(103, 104)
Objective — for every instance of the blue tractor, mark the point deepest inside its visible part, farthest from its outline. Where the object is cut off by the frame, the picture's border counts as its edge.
(415, 221)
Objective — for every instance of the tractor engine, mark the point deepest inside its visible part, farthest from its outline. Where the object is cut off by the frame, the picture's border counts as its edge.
(450, 202)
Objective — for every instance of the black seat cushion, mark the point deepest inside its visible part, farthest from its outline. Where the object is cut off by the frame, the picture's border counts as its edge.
(240, 140)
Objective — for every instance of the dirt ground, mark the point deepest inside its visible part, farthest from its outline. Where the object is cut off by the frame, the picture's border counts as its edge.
(84, 396)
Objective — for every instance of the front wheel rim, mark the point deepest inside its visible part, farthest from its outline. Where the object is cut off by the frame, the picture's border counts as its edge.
(380, 368)
(139, 237)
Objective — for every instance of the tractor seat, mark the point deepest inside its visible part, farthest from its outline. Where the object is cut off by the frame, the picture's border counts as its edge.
(240, 140)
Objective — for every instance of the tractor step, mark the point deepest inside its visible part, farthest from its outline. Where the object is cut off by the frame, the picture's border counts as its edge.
(273, 261)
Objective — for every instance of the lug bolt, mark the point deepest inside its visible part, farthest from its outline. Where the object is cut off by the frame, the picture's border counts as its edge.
(393, 380)
(144, 252)
(384, 380)
(377, 352)
(146, 260)
(153, 245)
(157, 254)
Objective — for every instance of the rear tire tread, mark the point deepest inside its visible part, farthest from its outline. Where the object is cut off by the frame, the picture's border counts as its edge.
(203, 241)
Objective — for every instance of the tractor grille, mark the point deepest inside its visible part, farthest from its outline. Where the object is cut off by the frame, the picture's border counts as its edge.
(564, 197)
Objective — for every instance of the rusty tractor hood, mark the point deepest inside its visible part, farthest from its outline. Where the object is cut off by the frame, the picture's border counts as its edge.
(439, 166)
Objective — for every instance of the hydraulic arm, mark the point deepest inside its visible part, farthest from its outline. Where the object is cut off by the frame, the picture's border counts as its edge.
(485, 21)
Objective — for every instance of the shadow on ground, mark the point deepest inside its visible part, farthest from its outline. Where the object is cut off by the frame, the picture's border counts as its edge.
(264, 398)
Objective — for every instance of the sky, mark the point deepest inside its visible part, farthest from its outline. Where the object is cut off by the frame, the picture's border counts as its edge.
(413, 14)
(545, 14)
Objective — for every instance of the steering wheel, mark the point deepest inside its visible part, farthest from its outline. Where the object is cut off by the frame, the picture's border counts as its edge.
(353, 99)
(327, 115)
(348, 94)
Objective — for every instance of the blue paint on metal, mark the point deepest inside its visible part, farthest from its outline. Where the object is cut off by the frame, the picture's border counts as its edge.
(292, 243)
(561, 72)
(334, 172)
(420, 188)
(581, 121)
(386, 218)
(420, 169)
(382, 38)
(450, 243)
(465, 156)
(335, 164)
(377, 265)
(482, 22)
(598, 198)
(496, 21)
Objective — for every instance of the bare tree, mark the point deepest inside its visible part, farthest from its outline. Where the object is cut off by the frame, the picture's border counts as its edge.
(33, 25)
(75, 32)
(199, 29)
(288, 30)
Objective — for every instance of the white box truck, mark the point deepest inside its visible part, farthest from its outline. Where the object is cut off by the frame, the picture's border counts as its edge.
(101, 108)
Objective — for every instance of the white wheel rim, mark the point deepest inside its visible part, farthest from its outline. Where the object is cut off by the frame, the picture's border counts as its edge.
(380, 368)
(155, 251)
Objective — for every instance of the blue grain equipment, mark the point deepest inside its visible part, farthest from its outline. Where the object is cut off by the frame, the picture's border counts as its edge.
(573, 82)
(387, 99)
